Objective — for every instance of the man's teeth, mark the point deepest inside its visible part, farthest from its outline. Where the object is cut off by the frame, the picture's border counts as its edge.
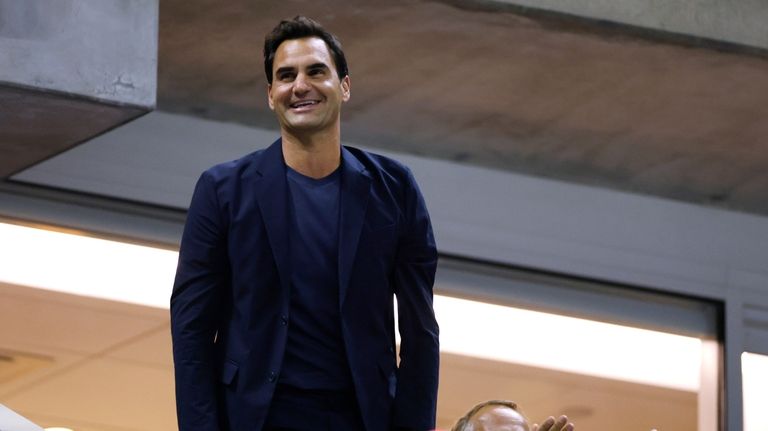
(300, 104)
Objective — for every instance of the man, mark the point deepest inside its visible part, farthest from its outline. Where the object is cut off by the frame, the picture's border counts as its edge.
(282, 309)
(501, 415)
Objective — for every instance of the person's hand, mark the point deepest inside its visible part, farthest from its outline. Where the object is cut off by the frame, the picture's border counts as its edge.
(561, 424)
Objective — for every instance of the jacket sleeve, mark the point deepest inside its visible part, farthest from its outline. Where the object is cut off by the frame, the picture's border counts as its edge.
(414, 275)
(201, 278)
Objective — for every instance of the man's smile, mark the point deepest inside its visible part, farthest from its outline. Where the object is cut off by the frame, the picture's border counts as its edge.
(303, 105)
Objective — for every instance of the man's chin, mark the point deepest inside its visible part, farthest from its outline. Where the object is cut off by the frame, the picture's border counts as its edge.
(304, 126)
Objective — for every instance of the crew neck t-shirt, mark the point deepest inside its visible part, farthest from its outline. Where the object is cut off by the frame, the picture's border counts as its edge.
(315, 355)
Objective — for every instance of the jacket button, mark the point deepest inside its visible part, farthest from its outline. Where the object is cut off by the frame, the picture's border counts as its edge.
(284, 320)
(272, 376)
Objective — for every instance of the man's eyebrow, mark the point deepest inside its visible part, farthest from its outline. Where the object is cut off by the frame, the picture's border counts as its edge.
(318, 65)
(284, 69)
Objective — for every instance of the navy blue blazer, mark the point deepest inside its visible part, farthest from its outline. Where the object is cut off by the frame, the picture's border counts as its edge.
(230, 304)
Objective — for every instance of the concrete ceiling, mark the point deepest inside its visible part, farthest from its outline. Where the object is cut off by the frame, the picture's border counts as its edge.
(36, 125)
(501, 87)
(71, 70)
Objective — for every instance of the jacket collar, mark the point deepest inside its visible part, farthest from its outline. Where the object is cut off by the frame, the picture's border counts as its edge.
(271, 193)
(355, 191)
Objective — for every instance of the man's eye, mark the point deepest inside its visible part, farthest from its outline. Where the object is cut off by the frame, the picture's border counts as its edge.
(285, 76)
(315, 72)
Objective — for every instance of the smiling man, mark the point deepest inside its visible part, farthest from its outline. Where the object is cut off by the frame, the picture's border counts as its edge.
(282, 309)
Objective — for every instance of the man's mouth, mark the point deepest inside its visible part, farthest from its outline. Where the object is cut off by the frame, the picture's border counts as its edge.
(303, 104)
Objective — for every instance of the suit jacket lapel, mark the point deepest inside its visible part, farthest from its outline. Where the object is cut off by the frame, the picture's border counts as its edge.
(355, 191)
(271, 192)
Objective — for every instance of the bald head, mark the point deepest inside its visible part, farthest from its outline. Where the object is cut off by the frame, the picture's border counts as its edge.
(497, 418)
(493, 415)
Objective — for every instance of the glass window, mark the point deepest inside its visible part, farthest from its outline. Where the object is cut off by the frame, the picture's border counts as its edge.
(603, 355)
(754, 372)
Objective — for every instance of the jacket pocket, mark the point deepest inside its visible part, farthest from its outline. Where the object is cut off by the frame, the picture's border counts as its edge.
(388, 371)
(228, 372)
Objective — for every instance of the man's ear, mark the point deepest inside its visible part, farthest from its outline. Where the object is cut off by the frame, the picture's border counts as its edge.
(269, 97)
(345, 93)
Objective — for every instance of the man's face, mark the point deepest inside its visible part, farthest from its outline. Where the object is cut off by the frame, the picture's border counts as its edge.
(306, 92)
(498, 418)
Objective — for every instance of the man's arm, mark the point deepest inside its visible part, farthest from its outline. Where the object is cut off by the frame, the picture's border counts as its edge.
(201, 277)
(414, 275)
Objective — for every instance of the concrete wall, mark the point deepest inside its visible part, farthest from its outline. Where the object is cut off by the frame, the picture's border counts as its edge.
(102, 49)
(737, 21)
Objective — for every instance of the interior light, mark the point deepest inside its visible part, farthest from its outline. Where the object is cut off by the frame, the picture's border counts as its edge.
(144, 275)
(754, 374)
(568, 344)
(86, 266)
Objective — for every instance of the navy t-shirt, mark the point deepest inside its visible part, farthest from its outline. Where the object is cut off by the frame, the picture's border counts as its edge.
(315, 355)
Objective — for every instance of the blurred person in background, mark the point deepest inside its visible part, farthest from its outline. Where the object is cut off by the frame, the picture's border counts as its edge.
(502, 415)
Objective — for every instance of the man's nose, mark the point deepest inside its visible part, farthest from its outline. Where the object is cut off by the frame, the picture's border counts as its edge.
(300, 85)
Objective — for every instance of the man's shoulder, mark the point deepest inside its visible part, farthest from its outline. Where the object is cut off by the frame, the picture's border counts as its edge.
(378, 164)
(234, 168)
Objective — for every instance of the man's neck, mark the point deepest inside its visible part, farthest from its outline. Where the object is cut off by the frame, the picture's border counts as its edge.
(316, 155)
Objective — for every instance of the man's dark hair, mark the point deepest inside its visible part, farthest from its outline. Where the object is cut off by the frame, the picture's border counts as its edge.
(297, 28)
